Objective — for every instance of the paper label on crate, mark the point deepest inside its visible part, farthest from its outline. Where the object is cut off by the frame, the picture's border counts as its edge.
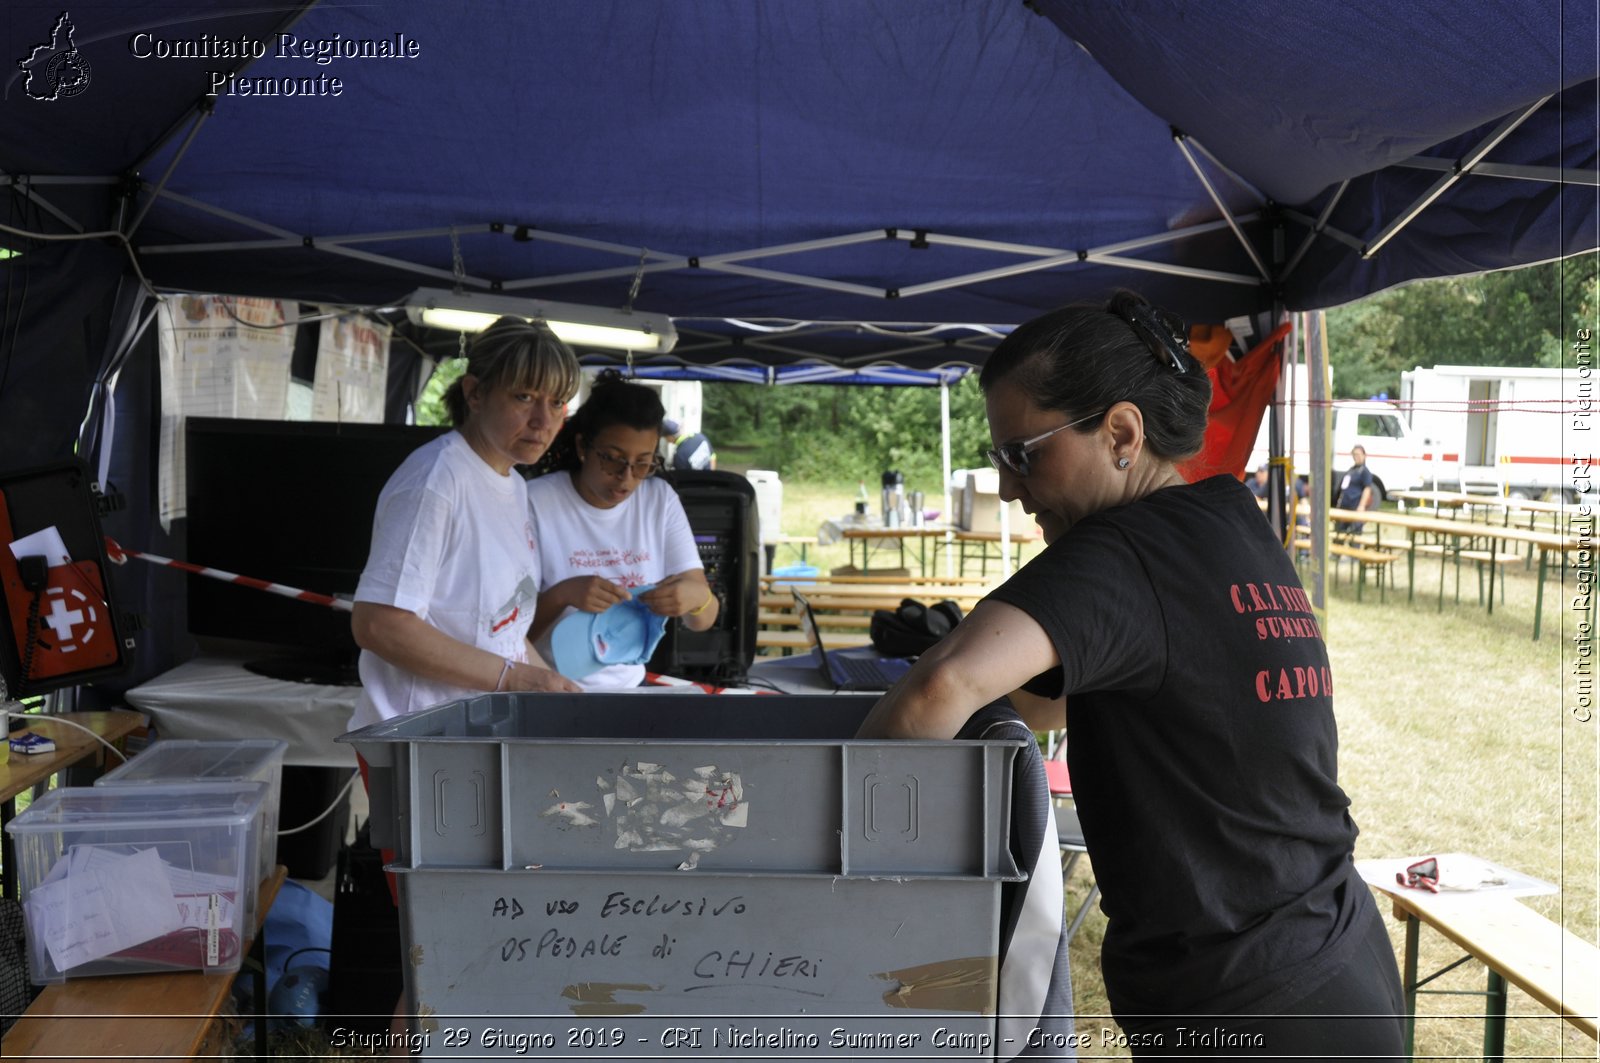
(107, 906)
(654, 810)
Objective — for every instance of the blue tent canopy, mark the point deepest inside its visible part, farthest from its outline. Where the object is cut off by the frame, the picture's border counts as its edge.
(916, 161)
(946, 160)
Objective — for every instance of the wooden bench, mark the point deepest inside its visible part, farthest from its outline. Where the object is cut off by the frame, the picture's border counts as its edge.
(782, 618)
(1492, 558)
(835, 602)
(1517, 945)
(142, 1016)
(791, 639)
(1365, 557)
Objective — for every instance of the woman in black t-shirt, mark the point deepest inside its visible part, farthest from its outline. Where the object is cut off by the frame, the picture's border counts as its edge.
(1201, 740)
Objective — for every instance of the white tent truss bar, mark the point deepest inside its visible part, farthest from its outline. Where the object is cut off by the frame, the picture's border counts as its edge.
(177, 157)
(1555, 175)
(1254, 192)
(1168, 237)
(1205, 182)
(1330, 231)
(643, 260)
(1463, 167)
(1175, 270)
(217, 212)
(25, 186)
(54, 179)
(697, 342)
(1317, 228)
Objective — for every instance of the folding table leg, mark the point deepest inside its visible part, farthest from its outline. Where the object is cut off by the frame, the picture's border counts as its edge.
(1408, 978)
(1494, 1019)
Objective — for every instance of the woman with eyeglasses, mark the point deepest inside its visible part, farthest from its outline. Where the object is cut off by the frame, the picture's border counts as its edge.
(1165, 629)
(606, 524)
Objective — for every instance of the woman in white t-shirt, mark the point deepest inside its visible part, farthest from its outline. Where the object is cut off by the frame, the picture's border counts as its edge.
(605, 525)
(449, 589)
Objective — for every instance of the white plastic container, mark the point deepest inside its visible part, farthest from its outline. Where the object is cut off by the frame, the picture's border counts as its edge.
(769, 502)
(123, 880)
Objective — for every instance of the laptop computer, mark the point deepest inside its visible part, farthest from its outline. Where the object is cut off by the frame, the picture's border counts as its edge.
(854, 669)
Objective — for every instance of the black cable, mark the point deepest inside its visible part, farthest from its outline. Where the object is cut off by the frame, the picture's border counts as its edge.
(765, 684)
(18, 262)
(296, 952)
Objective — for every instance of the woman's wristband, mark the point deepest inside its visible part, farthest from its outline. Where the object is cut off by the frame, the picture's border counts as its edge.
(500, 684)
(711, 596)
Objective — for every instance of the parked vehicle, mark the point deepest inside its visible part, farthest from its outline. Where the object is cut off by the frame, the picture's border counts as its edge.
(1397, 457)
(1498, 430)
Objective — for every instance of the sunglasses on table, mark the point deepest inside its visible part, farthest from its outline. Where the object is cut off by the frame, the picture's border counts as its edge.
(1166, 339)
(616, 465)
(1422, 875)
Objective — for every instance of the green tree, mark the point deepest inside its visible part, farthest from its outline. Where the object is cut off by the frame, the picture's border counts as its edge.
(841, 435)
(1521, 317)
(430, 404)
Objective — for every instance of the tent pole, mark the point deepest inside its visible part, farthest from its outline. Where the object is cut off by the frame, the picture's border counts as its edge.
(944, 438)
(1319, 418)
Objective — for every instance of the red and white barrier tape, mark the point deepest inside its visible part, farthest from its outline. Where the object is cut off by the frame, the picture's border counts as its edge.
(119, 554)
(656, 679)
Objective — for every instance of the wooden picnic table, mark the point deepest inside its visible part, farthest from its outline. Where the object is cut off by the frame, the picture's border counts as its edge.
(1456, 531)
(1457, 500)
(976, 545)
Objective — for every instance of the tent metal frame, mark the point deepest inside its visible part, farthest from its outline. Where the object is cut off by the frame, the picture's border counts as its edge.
(643, 260)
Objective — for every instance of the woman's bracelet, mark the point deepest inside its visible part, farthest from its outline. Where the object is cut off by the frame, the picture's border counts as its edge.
(500, 684)
(711, 596)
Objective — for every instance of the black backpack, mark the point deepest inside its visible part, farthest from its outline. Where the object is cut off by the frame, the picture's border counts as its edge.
(909, 630)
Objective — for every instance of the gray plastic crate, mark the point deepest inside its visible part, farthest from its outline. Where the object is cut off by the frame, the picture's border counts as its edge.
(612, 872)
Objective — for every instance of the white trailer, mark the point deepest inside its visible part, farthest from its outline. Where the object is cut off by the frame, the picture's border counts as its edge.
(1497, 430)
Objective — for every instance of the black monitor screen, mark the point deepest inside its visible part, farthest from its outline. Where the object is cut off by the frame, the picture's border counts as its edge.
(291, 503)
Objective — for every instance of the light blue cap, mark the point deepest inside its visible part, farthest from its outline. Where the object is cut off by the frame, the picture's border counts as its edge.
(583, 643)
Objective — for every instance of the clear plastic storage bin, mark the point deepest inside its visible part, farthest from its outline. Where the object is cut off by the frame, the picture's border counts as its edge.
(182, 760)
(121, 880)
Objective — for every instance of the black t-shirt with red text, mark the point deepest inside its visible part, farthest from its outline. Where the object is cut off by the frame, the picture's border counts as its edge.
(1203, 753)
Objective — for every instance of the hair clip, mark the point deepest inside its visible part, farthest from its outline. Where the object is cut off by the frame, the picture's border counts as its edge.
(1164, 335)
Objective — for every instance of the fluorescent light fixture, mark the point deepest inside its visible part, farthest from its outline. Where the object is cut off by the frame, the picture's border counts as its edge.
(581, 326)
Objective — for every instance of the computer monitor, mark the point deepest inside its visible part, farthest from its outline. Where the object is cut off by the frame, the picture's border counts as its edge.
(290, 502)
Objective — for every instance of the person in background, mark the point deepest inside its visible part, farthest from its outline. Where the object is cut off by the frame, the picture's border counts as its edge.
(1355, 489)
(444, 604)
(605, 523)
(692, 451)
(1201, 739)
(1260, 484)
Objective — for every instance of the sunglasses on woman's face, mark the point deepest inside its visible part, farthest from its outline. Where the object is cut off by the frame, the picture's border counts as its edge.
(616, 465)
(1014, 456)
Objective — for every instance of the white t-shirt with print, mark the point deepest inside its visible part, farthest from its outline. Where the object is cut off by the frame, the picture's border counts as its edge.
(636, 543)
(453, 543)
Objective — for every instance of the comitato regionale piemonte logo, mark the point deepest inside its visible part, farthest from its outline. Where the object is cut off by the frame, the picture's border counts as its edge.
(56, 69)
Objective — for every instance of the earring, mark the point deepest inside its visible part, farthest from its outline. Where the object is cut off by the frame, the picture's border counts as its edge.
(1122, 463)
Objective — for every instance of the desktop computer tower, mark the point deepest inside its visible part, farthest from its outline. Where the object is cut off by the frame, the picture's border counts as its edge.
(721, 507)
